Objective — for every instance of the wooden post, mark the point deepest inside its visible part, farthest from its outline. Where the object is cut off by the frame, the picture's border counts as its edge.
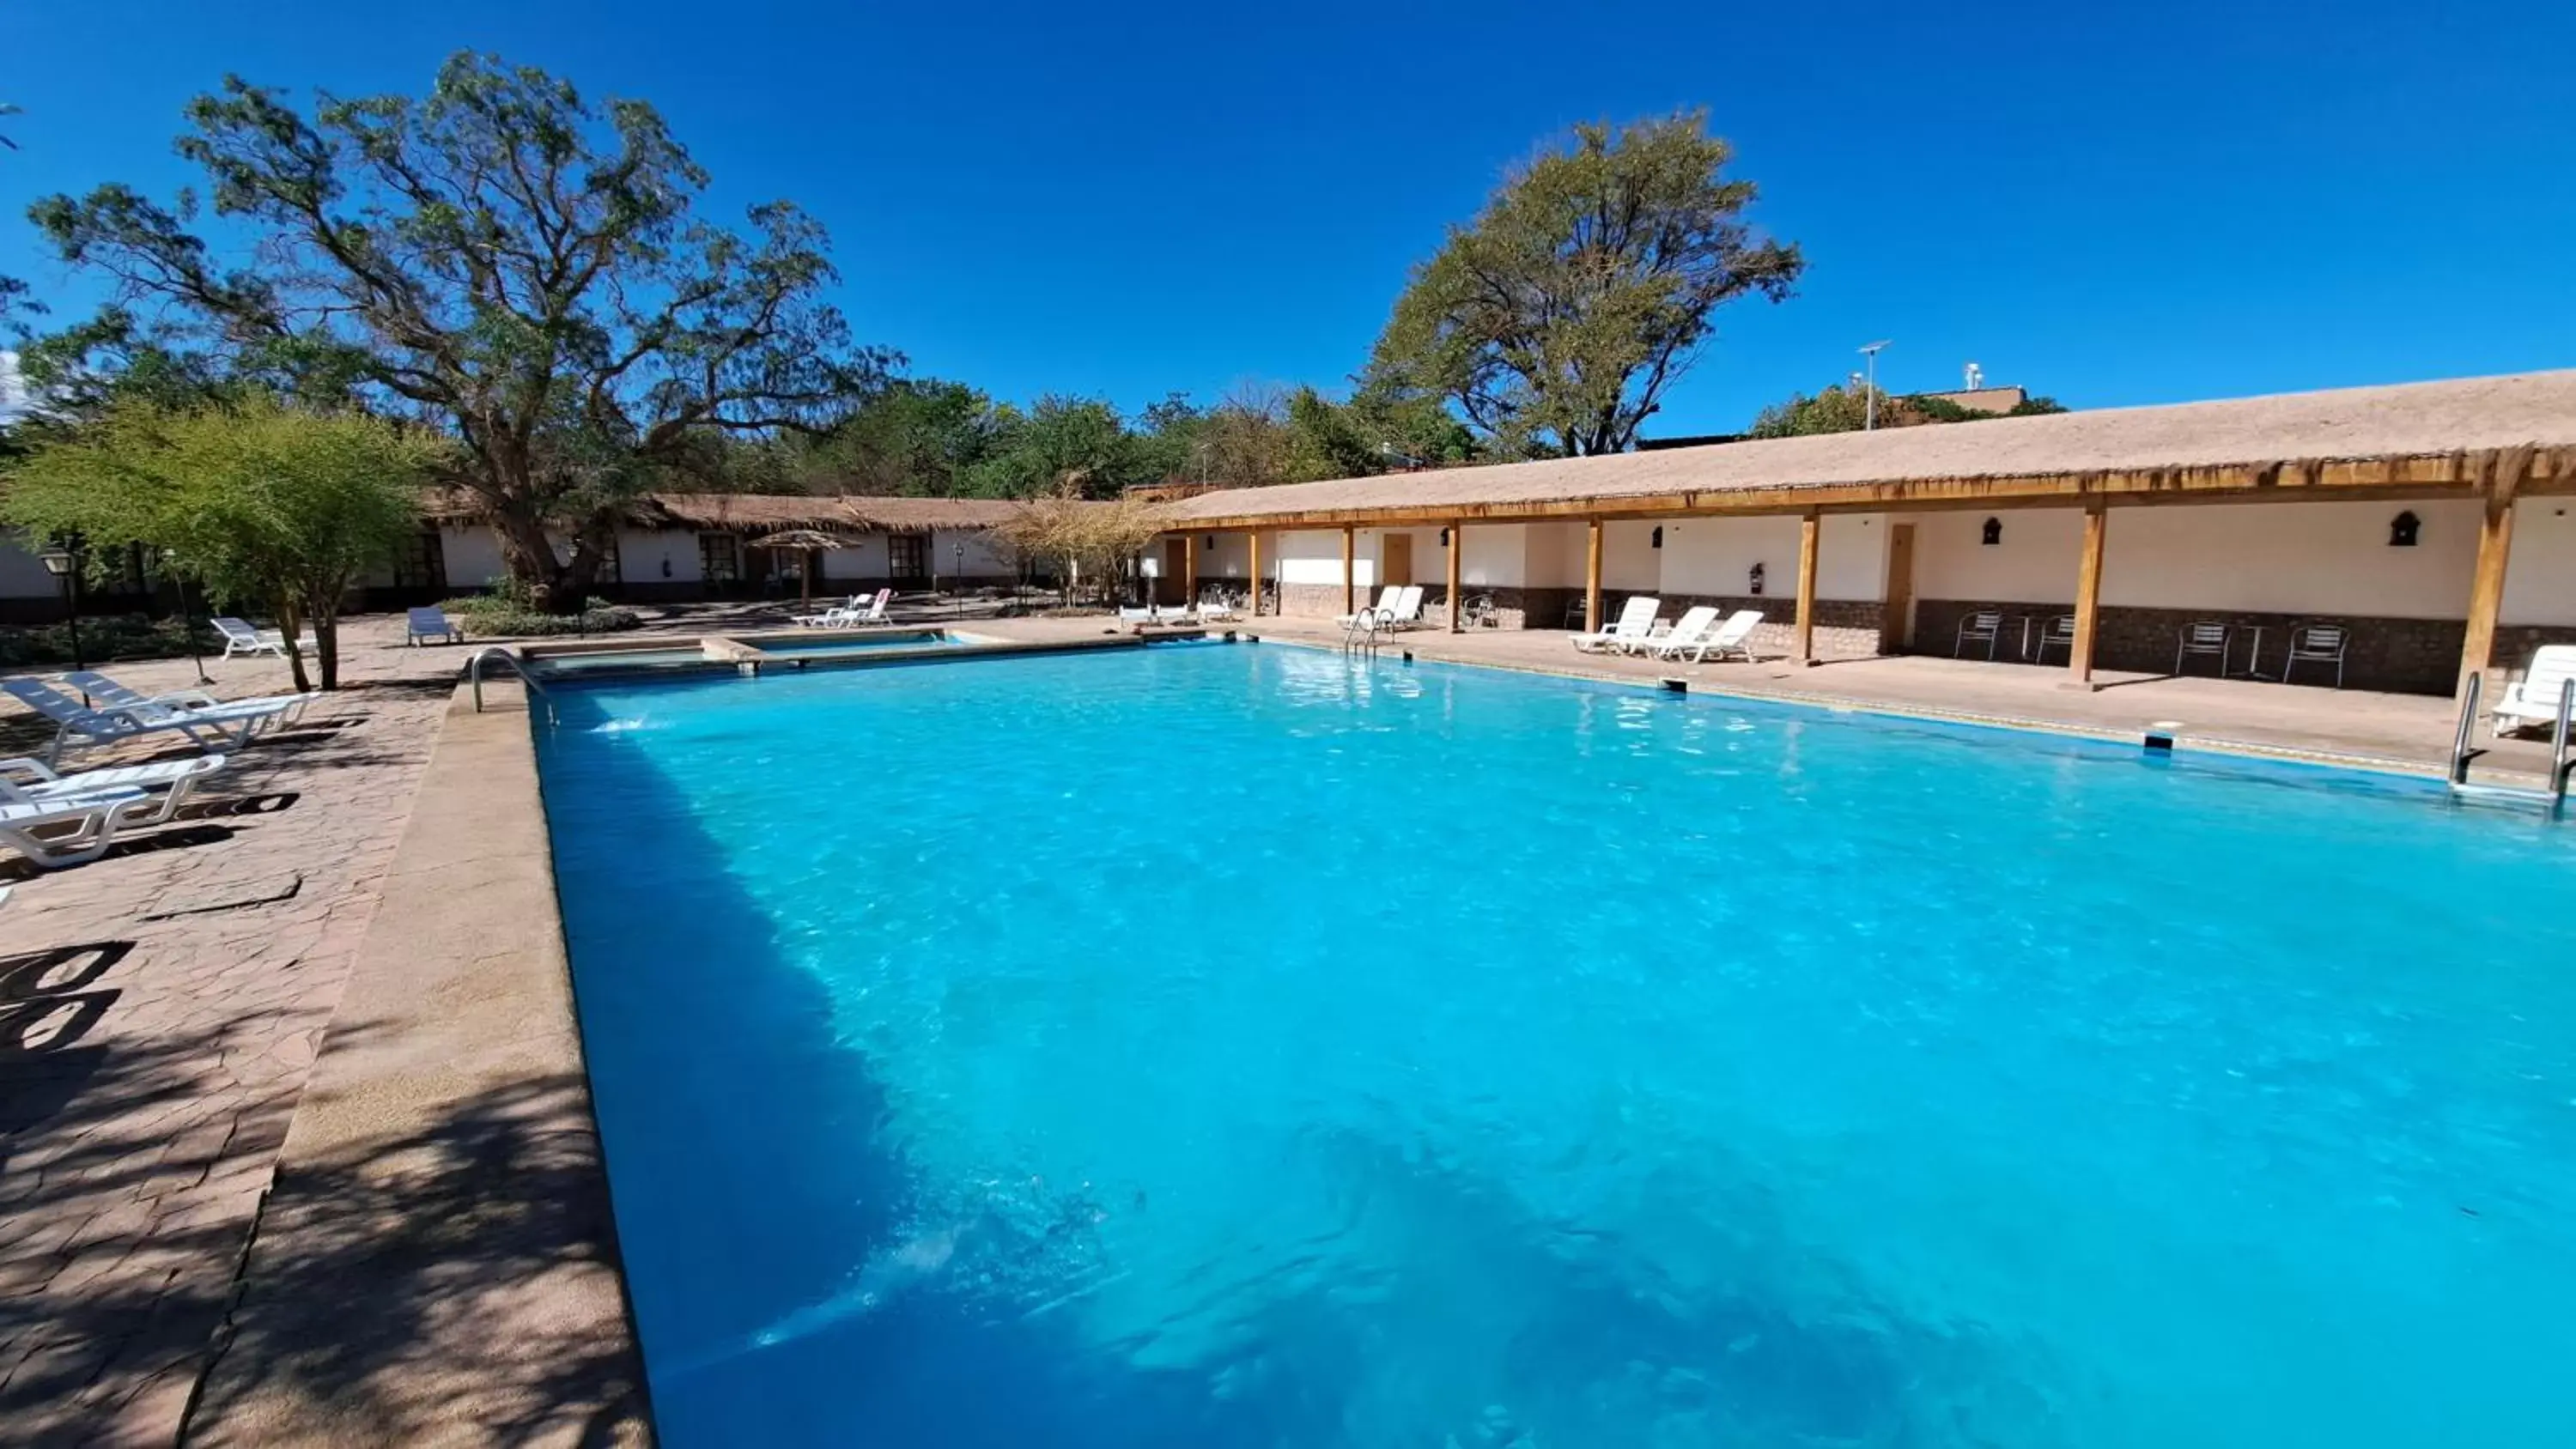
(1350, 577)
(1457, 546)
(2486, 586)
(2088, 594)
(1592, 580)
(1255, 536)
(1189, 570)
(1811, 531)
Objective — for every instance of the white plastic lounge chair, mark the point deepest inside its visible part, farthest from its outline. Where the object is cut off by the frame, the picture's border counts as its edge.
(431, 622)
(35, 782)
(1406, 612)
(1136, 616)
(1215, 609)
(1385, 605)
(1176, 613)
(75, 724)
(93, 820)
(241, 638)
(281, 709)
(835, 617)
(1636, 625)
(874, 613)
(1735, 636)
(1689, 636)
(2532, 700)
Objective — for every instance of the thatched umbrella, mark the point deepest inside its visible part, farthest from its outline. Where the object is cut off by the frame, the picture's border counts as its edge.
(806, 542)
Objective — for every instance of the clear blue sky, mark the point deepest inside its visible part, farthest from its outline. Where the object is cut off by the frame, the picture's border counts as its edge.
(2111, 204)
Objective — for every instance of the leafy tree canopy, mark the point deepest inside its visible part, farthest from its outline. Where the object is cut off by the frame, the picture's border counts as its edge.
(1556, 319)
(505, 260)
(256, 500)
(1845, 409)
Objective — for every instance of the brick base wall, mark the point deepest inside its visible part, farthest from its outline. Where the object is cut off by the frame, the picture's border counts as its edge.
(2405, 656)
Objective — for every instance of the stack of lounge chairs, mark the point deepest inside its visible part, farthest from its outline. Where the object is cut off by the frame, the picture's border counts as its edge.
(1698, 635)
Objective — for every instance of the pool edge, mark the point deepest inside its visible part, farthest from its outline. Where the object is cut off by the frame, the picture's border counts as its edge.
(449, 1123)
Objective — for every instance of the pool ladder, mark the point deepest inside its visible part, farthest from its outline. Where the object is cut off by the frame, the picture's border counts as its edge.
(2553, 797)
(1363, 634)
(518, 667)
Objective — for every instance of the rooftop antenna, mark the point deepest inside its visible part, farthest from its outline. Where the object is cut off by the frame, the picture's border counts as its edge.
(1869, 416)
(1976, 377)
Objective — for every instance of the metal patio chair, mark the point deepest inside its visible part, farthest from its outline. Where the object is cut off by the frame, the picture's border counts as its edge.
(2208, 638)
(2060, 632)
(1986, 626)
(2316, 644)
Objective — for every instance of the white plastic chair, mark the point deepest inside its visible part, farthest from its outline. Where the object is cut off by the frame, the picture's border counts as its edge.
(1636, 624)
(93, 820)
(2532, 700)
(35, 782)
(1689, 635)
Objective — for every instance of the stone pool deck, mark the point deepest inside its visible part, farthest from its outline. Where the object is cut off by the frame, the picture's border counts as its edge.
(290, 1109)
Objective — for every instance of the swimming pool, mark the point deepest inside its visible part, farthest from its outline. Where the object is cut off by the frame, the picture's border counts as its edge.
(1240, 1045)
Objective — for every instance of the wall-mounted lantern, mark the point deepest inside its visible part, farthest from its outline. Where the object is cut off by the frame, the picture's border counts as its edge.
(1444, 538)
(1754, 580)
(1659, 536)
(1211, 540)
(2403, 529)
(1994, 533)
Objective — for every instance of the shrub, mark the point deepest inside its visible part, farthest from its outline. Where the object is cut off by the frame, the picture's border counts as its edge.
(510, 610)
(103, 639)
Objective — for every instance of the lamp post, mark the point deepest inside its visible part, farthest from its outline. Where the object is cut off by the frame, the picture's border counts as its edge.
(957, 552)
(187, 623)
(1869, 393)
(64, 565)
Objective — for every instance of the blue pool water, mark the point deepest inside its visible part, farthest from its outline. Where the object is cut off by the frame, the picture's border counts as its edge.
(1235, 1045)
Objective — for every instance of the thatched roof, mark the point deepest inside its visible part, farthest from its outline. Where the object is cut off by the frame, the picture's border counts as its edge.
(2416, 434)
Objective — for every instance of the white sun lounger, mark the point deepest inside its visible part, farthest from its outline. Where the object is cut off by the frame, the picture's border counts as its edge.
(241, 638)
(1688, 636)
(2532, 700)
(1384, 607)
(93, 818)
(283, 709)
(861, 611)
(75, 724)
(830, 618)
(1215, 609)
(1734, 636)
(1407, 612)
(1636, 624)
(35, 782)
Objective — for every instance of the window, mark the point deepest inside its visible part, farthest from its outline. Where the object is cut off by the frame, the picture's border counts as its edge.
(421, 563)
(719, 557)
(907, 555)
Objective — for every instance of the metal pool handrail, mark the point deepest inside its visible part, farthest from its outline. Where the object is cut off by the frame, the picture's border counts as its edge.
(517, 665)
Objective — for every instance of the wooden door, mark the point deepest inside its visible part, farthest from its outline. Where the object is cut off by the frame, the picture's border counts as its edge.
(1174, 586)
(1394, 559)
(1896, 620)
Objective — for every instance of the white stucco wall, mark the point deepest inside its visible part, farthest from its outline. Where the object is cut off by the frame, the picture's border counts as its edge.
(1495, 556)
(2288, 558)
(2540, 577)
(641, 553)
(2034, 563)
(979, 560)
(1312, 556)
(1717, 555)
(1629, 558)
(473, 555)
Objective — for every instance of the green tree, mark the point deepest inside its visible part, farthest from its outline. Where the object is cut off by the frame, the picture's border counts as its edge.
(1837, 409)
(259, 500)
(1065, 443)
(506, 261)
(1556, 319)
